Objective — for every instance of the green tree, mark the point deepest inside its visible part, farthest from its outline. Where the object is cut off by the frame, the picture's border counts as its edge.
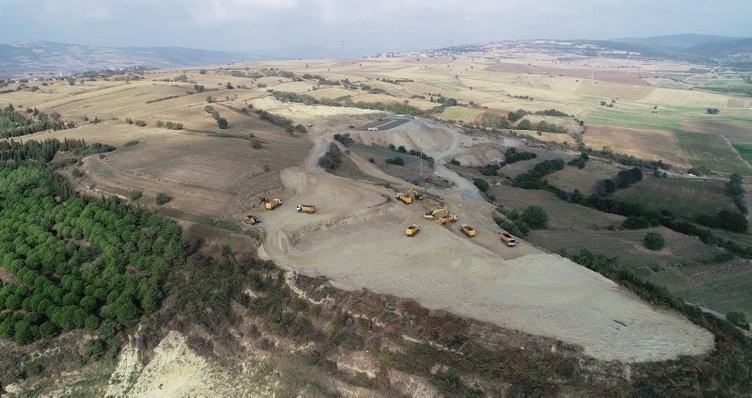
(535, 217)
(653, 241)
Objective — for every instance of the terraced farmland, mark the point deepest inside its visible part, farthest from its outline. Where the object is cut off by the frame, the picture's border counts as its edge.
(684, 197)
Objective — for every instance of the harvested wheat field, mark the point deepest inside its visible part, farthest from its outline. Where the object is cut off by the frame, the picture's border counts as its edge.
(642, 144)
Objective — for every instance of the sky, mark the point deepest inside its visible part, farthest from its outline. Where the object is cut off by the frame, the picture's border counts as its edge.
(366, 26)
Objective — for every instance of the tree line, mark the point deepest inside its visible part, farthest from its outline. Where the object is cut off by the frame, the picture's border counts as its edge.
(14, 123)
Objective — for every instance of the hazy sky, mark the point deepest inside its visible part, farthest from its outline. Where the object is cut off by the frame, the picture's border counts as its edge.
(367, 25)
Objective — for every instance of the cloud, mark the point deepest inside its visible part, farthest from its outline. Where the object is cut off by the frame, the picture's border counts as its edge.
(211, 12)
(79, 9)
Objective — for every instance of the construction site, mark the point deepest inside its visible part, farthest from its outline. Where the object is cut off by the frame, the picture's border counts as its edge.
(442, 248)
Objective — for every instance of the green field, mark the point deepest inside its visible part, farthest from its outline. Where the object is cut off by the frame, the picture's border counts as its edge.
(745, 150)
(711, 151)
(684, 197)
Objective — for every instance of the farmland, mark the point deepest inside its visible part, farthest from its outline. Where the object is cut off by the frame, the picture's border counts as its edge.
(642, 144)
(711, 151)
(684, 197)
(571, 178)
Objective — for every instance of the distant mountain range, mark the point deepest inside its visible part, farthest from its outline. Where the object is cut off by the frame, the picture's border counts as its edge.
(702, 49)
(724, 51)
(50, 58)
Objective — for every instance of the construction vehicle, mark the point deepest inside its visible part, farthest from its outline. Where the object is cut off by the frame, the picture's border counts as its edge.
(412, 230)
(272, 204)
(417, 195)
(507, 239)
(251, 219)
(305, 209)
(431, 215)
(449, 217)
(405, 198)
(467, 230)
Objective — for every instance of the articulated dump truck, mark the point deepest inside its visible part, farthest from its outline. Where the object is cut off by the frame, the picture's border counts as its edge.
(467, 230)
(272, 204)
(305, 209)
(405, 198)
(412, 230)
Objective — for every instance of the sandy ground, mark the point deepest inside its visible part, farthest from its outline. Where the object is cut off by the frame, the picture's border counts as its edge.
(356, 238)
(177, 371)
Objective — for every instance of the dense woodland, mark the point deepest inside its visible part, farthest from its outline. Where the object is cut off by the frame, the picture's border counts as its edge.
(72, 262)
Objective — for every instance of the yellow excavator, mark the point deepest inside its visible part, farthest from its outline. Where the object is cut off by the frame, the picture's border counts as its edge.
(431, 215)
(417, 195)
(412, 230)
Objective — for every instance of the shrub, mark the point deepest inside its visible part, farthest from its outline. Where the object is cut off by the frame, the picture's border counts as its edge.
(222, 123)
(398, 161)
(331, 159)
(481, 184)
(636, 222)
(135, 194)
(653, 241)
(140, 123)
(162, 198)
(738, 319)
(455, 162)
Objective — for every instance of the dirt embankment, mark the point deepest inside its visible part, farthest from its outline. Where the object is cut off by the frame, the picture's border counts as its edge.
(356, 238)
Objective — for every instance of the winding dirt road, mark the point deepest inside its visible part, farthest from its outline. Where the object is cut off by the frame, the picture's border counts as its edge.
(356, 238)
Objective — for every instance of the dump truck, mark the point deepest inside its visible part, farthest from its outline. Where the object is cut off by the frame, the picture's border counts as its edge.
(405, 198)
(412, 230)
(251, 219)
(467, 230)
(449, 217)
(305, 209)
(417, 195)
(507, 239)
(272, 204)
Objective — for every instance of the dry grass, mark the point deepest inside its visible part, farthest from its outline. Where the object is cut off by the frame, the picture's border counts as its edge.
(643, 144)
(571, 178)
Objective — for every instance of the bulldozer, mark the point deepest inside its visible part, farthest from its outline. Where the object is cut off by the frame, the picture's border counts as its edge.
(412, 230)
(405, 198)
(417, 195)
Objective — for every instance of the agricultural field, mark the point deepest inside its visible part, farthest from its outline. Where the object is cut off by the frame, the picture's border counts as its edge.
(571, 178)
(684, 197)
(711, 151)
(745, 150)
(642, 144)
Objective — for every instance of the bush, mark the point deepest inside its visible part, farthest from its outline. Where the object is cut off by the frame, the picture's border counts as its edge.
(395, 161)
(162, 198)
(653, 241)
(738, 319)
(636, 222)
(222, 123)
(140, 123)
(331, 159)
(135, 194)
(481, 184)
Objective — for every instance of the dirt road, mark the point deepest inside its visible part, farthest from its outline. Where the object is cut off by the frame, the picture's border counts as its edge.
(356, 238)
